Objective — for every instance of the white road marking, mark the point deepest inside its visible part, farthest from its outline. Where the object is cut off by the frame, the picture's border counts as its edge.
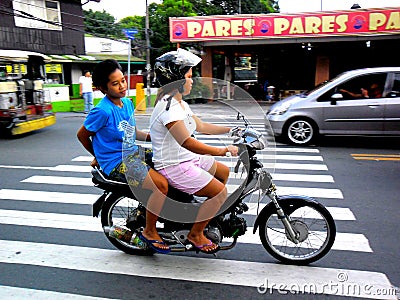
(310, 192)
(209, 270)
(276, 176)
(12, 293)
(79, 181)
(344, 241)
(51, 197)
(338, 213)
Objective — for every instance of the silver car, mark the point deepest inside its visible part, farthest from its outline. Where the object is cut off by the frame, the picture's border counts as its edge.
(357, 102)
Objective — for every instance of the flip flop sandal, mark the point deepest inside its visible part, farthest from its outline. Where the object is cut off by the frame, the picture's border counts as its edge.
(151, 243)
(200, 248)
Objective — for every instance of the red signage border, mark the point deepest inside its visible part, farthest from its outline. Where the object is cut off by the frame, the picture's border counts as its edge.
(264, 26)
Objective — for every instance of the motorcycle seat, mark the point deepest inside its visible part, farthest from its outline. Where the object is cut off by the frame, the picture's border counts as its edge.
(101, 180)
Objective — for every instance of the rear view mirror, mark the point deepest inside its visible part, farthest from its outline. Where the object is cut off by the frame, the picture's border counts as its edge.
(335, 97)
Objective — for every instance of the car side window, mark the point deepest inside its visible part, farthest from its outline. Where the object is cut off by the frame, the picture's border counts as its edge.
(361, 87)
(394, 91)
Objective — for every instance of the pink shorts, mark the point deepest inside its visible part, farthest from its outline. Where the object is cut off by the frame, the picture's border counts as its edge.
(190, 176)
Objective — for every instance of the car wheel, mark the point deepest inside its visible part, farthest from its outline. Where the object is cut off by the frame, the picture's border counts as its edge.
(300, 132)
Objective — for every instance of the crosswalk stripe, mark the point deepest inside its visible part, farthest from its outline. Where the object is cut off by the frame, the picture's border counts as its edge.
(276, 176)
(79, 181)
(12, 293)
(310, 192)
(208, 270)
(45, 196)
(343, 241)
(287, 157)
(87, 168)
(338, 213)
(82, 158)
(302, 177)
(50, 220)
(287, 166)
(288, 177)
(72, 168)
(277, 149)
(59, 180)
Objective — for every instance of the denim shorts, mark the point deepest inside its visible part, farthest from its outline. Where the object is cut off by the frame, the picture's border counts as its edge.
(134, 167)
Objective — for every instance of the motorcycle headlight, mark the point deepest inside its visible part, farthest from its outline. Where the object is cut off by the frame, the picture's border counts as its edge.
(279, 110)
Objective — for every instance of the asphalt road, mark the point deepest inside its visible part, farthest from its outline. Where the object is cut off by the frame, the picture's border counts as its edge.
(51, 247)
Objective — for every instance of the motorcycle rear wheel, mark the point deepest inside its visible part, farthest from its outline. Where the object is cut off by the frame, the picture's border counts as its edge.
(117, 210)
(310, 220)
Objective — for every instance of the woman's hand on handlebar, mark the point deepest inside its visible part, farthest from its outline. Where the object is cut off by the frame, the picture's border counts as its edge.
(235, 131)
(232, 150)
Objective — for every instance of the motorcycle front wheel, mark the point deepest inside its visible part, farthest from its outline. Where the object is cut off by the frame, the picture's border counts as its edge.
(312, 223)
(123, 212)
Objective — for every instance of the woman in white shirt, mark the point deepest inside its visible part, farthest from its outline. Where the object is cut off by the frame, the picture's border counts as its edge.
(187, 163)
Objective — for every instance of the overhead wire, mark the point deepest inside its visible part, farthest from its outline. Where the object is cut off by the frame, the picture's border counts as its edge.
(6, 10)
(72, 26)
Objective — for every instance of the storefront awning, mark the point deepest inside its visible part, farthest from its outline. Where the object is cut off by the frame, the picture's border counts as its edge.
(21, 56)
(123, 59)
(71, 58)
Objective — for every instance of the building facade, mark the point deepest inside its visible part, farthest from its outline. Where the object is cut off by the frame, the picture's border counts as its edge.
(45, 26)
(292, 52)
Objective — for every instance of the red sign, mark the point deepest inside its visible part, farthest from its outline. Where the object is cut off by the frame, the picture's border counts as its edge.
(352, 22)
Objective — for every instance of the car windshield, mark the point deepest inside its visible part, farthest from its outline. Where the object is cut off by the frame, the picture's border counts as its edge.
(317, 87)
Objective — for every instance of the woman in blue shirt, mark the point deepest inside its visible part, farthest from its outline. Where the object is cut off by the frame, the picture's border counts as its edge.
(108, 131)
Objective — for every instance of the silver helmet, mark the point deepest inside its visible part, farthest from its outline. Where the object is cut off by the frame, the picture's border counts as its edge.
(173, 66)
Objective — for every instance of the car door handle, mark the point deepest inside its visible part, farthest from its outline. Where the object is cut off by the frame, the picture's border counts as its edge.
(374, 105)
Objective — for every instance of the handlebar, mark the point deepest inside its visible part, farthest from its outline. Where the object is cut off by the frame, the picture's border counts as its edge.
(248, 136)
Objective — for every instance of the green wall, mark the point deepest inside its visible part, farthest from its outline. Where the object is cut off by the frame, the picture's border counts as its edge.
(77, 104)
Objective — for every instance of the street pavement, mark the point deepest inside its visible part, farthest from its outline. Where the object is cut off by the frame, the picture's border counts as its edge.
(65, 191)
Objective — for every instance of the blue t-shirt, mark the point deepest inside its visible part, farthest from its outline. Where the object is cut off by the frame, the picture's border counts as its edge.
(115, 130)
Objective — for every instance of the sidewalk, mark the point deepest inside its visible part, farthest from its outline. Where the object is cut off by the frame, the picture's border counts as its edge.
(209, 108)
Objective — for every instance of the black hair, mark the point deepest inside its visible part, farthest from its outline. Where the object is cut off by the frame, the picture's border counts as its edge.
(102, 72)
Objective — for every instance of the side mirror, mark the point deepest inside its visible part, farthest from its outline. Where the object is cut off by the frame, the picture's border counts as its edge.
(335, 97)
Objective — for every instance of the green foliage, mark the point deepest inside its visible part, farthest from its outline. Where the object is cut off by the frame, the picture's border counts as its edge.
(101, 24)
(231, 7)
(159, 15)
(137, 22)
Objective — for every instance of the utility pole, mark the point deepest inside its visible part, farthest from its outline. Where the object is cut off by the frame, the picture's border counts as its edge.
(148, 66)
(129, 64)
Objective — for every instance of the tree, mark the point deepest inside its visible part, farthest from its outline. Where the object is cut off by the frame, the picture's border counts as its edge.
(231, 7)
(159, 15)
(101, 24)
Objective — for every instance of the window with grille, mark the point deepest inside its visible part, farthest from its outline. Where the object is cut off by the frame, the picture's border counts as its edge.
(40, 14)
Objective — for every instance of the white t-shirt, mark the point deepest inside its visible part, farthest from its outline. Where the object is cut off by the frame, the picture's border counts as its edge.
(166, 150)
(86, 83)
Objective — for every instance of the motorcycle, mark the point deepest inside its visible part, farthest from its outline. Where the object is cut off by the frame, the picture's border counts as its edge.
(293, 229)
